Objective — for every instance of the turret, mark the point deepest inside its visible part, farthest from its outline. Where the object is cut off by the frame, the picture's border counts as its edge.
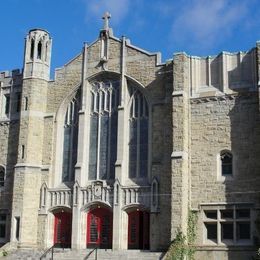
(37, 57)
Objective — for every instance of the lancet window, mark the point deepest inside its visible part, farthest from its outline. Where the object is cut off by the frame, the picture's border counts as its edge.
(138, 135)
(103, 129)
(39, 50)
(226, 163)
(70, 140)
(32, 49)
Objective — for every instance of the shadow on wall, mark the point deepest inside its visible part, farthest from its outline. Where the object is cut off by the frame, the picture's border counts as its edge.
(242, 182)
(11, 160)
(161, 140)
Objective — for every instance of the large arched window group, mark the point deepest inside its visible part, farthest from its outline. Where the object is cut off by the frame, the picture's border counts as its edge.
(103, 132)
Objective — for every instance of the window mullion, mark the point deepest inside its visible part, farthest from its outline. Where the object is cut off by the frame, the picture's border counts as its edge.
(235, 225)
(218, 228)
(109, 140)
(99, 133)
(138, 138)
(71, 140)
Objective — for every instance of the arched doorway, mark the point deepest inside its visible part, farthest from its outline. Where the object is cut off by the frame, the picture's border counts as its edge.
(138, 229)
(99, 228)
(62, 228)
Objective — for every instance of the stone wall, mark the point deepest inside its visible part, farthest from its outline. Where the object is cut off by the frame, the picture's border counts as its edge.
(199, 107)
(230, 123)
(10, 83)
(226, 72)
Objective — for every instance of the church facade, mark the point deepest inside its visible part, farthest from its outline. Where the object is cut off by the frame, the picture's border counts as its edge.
(119, 148)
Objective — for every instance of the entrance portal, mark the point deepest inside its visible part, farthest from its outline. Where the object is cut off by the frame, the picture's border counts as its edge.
(138, 230)
(99, 228)
(62, 229)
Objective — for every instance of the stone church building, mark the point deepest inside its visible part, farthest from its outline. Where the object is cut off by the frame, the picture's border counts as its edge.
(118, 148)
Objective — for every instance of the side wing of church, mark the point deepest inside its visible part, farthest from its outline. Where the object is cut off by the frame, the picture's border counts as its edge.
(119, 149)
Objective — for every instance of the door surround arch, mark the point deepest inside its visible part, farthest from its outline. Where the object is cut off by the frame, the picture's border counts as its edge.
(99, 227)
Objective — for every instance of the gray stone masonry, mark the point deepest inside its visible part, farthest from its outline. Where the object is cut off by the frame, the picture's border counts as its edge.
(198, 107)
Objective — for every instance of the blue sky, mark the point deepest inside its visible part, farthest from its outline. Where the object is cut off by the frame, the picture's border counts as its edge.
(198, 27)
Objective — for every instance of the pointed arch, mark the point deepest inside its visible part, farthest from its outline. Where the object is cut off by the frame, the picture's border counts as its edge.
(226, 158)
(32, 48)
(43, 195)
(155, 195)
(105, 93)
(39, 50)
(70, 138)
(59, 120)
(138, 134)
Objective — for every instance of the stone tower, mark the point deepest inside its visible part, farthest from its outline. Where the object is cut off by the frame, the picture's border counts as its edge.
(27, 173)
(37, 54)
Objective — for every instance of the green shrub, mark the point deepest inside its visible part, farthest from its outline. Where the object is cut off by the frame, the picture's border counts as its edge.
(182, 247)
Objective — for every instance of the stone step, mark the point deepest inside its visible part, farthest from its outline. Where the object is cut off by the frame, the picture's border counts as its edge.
(69, 254)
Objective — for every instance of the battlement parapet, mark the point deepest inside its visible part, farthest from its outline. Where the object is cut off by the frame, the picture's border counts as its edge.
(223, 73)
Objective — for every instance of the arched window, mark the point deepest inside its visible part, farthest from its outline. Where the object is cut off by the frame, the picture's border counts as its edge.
(39, 50)
(2, 176)
(46, 51)
(103, 130)
(32, 49)
(226, 163)
(138, 135)
(70, 141)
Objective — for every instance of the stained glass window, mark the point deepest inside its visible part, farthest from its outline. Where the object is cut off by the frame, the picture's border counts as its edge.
(70, 140)
(103, 130)
(138, 135)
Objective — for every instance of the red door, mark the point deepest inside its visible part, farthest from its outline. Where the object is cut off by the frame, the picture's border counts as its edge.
(138, 230)
(62, 229)
(99, 228)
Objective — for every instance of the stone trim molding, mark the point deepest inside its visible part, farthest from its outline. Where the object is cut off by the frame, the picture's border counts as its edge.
(179, 155)
(179, 93)
(27, 165)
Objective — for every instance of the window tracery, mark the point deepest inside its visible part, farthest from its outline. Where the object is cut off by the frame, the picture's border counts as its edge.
(103, 129)
(70, 139)
(226, 163)
(138, 135)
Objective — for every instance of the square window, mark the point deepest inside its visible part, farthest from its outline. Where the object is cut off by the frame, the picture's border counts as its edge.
(2, 230)
(2, 217)
(243, 230)
(211, 214)
(231, 225)
(211, 231)
(227, 231)
(226, 214)
(243, 213)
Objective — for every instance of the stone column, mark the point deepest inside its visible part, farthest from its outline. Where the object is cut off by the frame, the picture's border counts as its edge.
(120, 220)
(180, 152)
(80, 172)
(76, 224)
(119, 216)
